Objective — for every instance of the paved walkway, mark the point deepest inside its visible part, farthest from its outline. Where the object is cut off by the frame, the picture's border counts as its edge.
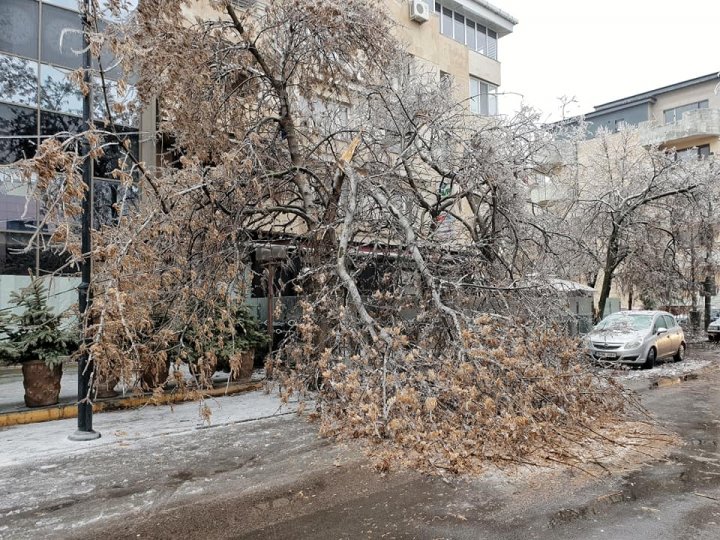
(12, 391)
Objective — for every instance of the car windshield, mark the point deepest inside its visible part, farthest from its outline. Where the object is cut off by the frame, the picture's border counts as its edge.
(625, 323)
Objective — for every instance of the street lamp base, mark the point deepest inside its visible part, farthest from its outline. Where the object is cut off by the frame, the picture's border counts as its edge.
(84, 436)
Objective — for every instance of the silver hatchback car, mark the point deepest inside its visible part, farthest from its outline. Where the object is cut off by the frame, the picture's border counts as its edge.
(636, 337)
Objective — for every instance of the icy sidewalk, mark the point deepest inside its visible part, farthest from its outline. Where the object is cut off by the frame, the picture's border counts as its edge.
(26, 443)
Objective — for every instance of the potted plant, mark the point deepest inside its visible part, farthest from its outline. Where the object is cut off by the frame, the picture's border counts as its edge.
(224, 340)
(33, 336)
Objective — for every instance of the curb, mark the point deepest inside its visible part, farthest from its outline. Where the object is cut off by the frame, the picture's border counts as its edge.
(61, 412)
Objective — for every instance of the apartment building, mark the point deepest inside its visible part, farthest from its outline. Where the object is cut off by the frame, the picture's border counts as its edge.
(684, 116)
(459, 38)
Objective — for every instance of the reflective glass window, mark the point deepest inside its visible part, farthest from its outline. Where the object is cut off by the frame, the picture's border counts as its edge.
(13, 210)
(54, 123)
(19, 27)
(481, 45)
(116, 155)
(112, 200)
(470, 34)
(21, 123)
(447, 22)
(68, 4)
(61, 37)
(14, 262)
(117, 11)
(123, 107)
(108, 62)
(18, 80)
(58, 93)
(105, 197)
(459, 28)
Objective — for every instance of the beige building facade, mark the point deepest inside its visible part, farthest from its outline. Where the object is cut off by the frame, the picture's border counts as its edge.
(459, 38)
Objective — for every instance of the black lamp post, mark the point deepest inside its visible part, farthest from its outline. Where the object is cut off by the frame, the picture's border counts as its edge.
(85, 431)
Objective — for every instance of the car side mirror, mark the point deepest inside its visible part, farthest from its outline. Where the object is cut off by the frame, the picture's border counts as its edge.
(661, 330)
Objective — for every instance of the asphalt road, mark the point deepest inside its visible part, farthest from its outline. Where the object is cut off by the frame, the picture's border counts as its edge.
(274, 479)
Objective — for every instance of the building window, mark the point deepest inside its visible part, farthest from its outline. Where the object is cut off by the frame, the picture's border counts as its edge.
(696, 152)
(619, 124)
(675, 114)
(459, 28)
(470, 39)
(492, 40)
(18, 80)
(19, 27)
(446, 22)
(61, 37)
(466, 31)
(483, 97)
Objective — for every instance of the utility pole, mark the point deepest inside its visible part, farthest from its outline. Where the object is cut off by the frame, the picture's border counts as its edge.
(85, 431)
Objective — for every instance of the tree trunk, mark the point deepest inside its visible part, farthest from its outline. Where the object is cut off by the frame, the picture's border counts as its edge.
(611, 263)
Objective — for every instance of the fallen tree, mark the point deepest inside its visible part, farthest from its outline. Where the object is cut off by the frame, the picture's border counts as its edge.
(404, 215)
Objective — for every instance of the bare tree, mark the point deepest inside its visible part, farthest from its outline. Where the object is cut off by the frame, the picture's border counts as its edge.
(625, 199)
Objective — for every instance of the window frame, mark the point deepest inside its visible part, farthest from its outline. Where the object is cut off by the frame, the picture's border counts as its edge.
(688, 107)
(481, 46)
(484, 89)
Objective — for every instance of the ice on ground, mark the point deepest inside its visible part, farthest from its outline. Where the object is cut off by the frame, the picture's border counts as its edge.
(25, 443)
(667, 369)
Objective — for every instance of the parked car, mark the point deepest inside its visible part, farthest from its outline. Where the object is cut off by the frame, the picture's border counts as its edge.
(713, 330)
(637, 337)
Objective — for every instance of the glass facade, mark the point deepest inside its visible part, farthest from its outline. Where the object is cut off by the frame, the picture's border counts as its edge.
(40, 42)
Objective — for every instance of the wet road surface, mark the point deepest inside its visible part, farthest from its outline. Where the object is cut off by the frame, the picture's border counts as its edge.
(275, 479)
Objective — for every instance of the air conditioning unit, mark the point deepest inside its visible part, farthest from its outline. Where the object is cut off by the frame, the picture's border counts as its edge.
(419, 11)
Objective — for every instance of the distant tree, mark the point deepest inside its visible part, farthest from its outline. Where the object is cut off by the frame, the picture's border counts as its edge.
(626, 202)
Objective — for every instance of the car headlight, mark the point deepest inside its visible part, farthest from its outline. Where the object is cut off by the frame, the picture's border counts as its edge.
(633, 344)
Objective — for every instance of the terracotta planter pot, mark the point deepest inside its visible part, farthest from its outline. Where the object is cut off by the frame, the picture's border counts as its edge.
(155, 375)
(246, 367)
(42, 384)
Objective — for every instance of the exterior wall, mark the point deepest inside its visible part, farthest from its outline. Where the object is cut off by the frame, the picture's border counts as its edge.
(685, 96)
(425, 42)
(484, 68)
(631, 116)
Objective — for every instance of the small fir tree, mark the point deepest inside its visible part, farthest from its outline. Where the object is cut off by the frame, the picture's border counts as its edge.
(35, 333)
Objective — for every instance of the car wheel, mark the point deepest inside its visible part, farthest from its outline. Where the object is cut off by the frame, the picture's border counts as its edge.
(680, 354)
(650, 360)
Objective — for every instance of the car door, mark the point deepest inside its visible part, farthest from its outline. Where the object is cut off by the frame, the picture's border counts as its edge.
(663, 343)
(673, 332)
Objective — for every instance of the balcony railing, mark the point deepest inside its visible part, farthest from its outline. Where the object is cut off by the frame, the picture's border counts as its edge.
(692, 125)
